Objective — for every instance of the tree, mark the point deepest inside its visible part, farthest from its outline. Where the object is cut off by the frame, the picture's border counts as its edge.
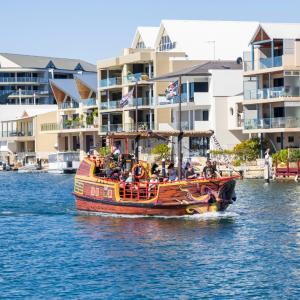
(162, 151)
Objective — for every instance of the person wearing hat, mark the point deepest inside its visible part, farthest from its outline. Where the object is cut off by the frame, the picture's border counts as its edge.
(152, 184)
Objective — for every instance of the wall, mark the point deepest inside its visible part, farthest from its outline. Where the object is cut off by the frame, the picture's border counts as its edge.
(226, 138)
(45, 142)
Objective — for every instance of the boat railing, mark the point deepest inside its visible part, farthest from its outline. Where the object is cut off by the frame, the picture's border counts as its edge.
(141, 190)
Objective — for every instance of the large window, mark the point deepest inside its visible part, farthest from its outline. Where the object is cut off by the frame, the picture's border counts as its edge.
(166, 44)
(200, 87)
(199, 146)
(201, 115)
(140, 45)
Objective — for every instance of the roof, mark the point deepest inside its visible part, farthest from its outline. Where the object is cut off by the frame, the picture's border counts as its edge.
(42, 62)
(68, 86)
(147, 34)
(202, 69)
(279, 30)
(199, 39)
(90, 80)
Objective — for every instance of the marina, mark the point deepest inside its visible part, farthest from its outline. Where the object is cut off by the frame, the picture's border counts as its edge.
(249, 251)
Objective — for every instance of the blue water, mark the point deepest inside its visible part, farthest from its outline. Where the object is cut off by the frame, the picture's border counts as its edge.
(49, 251)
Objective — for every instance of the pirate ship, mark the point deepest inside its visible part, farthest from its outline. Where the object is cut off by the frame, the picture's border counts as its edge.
(94, 191)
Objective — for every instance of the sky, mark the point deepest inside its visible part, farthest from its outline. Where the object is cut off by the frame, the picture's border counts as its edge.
(96, 29)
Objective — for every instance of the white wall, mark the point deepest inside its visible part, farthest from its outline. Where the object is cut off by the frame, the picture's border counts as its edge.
(226, 82)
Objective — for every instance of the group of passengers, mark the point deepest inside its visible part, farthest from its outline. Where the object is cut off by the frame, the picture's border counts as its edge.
(115, 166)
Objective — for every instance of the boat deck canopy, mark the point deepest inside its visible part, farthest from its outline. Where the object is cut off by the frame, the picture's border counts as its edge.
(160, 133)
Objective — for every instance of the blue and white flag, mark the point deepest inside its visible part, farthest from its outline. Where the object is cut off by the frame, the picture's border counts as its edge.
(172, 91)
(125, 99)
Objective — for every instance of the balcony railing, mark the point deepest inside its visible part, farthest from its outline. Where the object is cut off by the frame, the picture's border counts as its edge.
(270, 123)
(140, 126)
(274, 92)
(112, 128)
(263, 63)
(89, 102)
(110, 82)
(132, 78)
(131, 103)
(49, 127)
(67, 105)
(22, 92)
(23, 79)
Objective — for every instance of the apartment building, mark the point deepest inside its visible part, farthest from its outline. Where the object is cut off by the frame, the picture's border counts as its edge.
(272, 85)
(211, 99)
(21, 138)
(154, 52)
(76, 123)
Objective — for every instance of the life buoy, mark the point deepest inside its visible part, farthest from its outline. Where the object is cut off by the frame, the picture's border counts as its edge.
(142, 168)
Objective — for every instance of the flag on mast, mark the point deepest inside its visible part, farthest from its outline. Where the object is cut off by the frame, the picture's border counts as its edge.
(172, 91)
(125, 99)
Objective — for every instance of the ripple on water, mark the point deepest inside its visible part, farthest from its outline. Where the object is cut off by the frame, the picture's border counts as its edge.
(50, 251)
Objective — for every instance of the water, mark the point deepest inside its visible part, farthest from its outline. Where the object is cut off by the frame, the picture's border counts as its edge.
(48, 251)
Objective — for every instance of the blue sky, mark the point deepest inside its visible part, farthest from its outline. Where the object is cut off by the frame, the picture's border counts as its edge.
(93, 30)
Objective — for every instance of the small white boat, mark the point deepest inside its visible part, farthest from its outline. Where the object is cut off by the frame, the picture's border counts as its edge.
(63, 162)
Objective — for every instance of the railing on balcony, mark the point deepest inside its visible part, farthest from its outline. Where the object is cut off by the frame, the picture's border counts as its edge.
(274, 92)
(140, 126)
(269, 123)
(263, 63)
(112, 127)
(132, 78)
(131, 103)
(89, 102)
(22, 92)
(110, 82)
(49, 127)
(23, 79)
(67, 105)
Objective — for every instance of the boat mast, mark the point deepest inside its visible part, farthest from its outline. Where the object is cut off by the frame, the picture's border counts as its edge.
(179, 141)
(137, 138)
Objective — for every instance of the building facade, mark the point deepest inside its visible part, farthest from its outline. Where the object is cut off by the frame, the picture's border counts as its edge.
(272, 85)
(157, 51)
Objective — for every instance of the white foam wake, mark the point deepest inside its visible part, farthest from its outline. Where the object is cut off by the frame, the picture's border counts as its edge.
(204, 216)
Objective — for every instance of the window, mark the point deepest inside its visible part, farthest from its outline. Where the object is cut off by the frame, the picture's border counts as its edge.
(166, 44)
(205, 115)
(140, 45)
(199, 146)
(291, 139)
(278, 112)
(278, 139)
(200, 87)
(278, 82)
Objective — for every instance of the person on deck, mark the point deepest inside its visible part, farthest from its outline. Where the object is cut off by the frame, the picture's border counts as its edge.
(172, 173)
(208, 170)
(190, 173)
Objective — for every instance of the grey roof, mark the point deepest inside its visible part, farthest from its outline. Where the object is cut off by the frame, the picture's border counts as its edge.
(202, 69)
(68, 86)
(41, 62)
(90, 80)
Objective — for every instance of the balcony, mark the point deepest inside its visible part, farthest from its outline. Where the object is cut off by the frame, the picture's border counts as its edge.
(68, 105)
(269, 93)
(140, 126)
(89, 102)
(131, 103)
(23, 92)
(162, 100)
(112, 128)
(23, 80)
(108, 82)
(263, 63)
(271, 123)
(132, 78)
(49, 127)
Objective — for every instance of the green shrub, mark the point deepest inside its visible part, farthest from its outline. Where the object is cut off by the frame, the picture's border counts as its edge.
(104, 151)
(162, 151)
(247, 150)
(294, 155)
(281, 156)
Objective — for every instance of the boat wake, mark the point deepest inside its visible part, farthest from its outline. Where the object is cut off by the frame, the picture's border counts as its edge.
(204, 216)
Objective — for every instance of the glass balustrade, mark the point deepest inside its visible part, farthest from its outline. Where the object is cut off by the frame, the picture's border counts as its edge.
(270, 123)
